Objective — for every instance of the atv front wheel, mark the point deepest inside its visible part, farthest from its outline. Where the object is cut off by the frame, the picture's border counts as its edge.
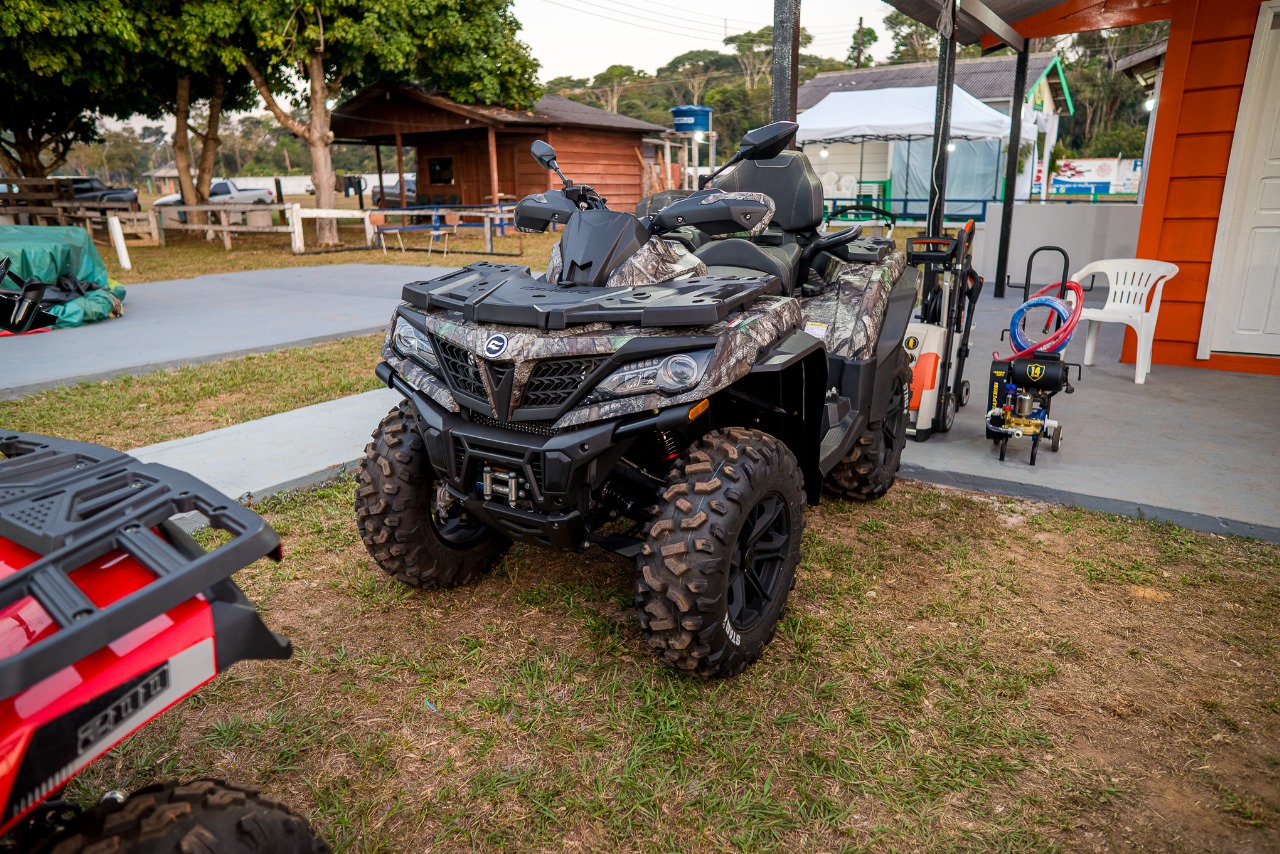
(872, 465)
(201, 816)
(720, 559)
(413, 530)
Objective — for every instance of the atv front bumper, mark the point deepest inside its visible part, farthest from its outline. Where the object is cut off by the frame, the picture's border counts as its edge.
(530, 484)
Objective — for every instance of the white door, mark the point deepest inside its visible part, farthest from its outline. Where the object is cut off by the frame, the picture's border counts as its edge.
(1247, 254)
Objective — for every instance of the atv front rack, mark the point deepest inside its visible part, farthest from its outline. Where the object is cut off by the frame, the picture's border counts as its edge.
(72, 503)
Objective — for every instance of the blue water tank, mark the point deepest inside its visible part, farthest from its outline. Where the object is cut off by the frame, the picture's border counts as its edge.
(691, 119)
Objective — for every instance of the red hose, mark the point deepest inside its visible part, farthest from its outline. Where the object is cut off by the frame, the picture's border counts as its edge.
(1065, 331)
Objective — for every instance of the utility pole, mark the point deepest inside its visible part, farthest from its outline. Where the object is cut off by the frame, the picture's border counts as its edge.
(786, 60)
(857, 40)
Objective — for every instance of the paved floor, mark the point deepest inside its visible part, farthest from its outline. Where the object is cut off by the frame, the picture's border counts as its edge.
(1192, 446)
(207, 318)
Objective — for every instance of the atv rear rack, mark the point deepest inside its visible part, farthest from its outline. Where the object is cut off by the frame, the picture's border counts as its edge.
(73, 502)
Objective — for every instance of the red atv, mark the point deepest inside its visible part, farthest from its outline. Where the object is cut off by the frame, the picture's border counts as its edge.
(110, 613)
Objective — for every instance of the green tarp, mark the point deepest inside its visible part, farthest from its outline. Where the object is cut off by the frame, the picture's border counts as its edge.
(45, 252)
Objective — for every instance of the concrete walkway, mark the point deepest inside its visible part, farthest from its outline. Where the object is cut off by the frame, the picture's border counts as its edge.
(210, 317)
(256, 459)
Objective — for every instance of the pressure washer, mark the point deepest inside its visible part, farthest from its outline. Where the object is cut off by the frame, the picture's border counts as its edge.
(937, 341)
(1023, 385)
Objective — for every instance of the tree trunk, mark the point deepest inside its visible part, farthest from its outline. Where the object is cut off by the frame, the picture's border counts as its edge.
(209, 150)
(182, 146)
(319, 137)
(316, 135)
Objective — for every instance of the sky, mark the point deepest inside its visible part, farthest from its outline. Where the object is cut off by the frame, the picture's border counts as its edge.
(581, 38)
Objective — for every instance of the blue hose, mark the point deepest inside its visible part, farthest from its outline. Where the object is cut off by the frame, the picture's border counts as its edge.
(1020, 341)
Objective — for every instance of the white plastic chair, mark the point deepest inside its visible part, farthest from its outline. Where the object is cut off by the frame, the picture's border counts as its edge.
(848, 186)
(1134, 286)
(829, 183)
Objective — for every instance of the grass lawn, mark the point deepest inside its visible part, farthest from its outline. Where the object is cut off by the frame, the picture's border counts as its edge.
(955, 672)
(128, 412)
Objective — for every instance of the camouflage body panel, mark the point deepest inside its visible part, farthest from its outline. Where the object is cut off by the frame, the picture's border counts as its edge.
(738, 343)
(657, 261)
(767, 201)
(849, 312)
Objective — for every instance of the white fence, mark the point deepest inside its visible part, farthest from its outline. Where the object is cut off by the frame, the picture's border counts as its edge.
(296, 185)
(259, 219)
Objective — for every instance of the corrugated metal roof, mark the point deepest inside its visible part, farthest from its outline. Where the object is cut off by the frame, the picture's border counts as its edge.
(986, 78)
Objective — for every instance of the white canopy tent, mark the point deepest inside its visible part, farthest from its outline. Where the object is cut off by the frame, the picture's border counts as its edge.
(900, 114)
(906, 114)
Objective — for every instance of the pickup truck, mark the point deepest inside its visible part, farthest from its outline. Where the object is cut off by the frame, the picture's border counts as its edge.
(86, 189)
(223, 191)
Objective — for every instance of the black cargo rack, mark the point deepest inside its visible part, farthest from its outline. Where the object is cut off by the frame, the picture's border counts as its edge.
(72, 502)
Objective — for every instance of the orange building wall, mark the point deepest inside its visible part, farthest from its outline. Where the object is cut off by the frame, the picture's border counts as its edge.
(1209, 42)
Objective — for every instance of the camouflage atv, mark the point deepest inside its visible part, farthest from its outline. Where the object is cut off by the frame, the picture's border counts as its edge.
(666, 391)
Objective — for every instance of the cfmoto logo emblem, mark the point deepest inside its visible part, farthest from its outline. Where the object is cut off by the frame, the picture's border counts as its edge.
(1033, 371)
(495, 346)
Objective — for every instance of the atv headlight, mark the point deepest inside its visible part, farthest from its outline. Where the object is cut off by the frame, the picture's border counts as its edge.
(408, 341)
(669, 374)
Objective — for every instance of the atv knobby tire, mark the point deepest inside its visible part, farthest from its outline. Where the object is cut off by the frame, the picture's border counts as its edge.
(720, 558)
(200, 817)
(395, 488)
(872, 465)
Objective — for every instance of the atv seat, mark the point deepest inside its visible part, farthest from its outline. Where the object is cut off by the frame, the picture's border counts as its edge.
(738, 257)
(789, 180)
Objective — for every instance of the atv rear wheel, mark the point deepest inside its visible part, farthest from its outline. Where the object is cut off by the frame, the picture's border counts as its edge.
(412, 530)
(871, 467)
(720, 558)
(201, 816)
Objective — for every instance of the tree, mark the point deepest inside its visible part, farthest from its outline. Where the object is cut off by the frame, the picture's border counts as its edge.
(565, 85)
(468, 51)
(612, 82)
(912, 40)
(690, 74)
(64, 62)
(754, 52)
(860, 46)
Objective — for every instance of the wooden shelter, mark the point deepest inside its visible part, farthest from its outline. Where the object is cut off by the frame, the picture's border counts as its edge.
(474, 155)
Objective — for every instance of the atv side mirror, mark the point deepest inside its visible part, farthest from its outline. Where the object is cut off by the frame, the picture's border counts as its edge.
(768, 141)
(759, 144)
(546, 157)
(544, 154)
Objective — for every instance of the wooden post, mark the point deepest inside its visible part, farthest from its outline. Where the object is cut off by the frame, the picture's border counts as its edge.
(226, 235)
(294, 214)
(382, 189)
(368, 230)
(157, 226)
(666, 164)
(493, 165)
(400, 169)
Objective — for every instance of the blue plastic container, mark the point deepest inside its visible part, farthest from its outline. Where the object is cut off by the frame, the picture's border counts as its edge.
(691, 119)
